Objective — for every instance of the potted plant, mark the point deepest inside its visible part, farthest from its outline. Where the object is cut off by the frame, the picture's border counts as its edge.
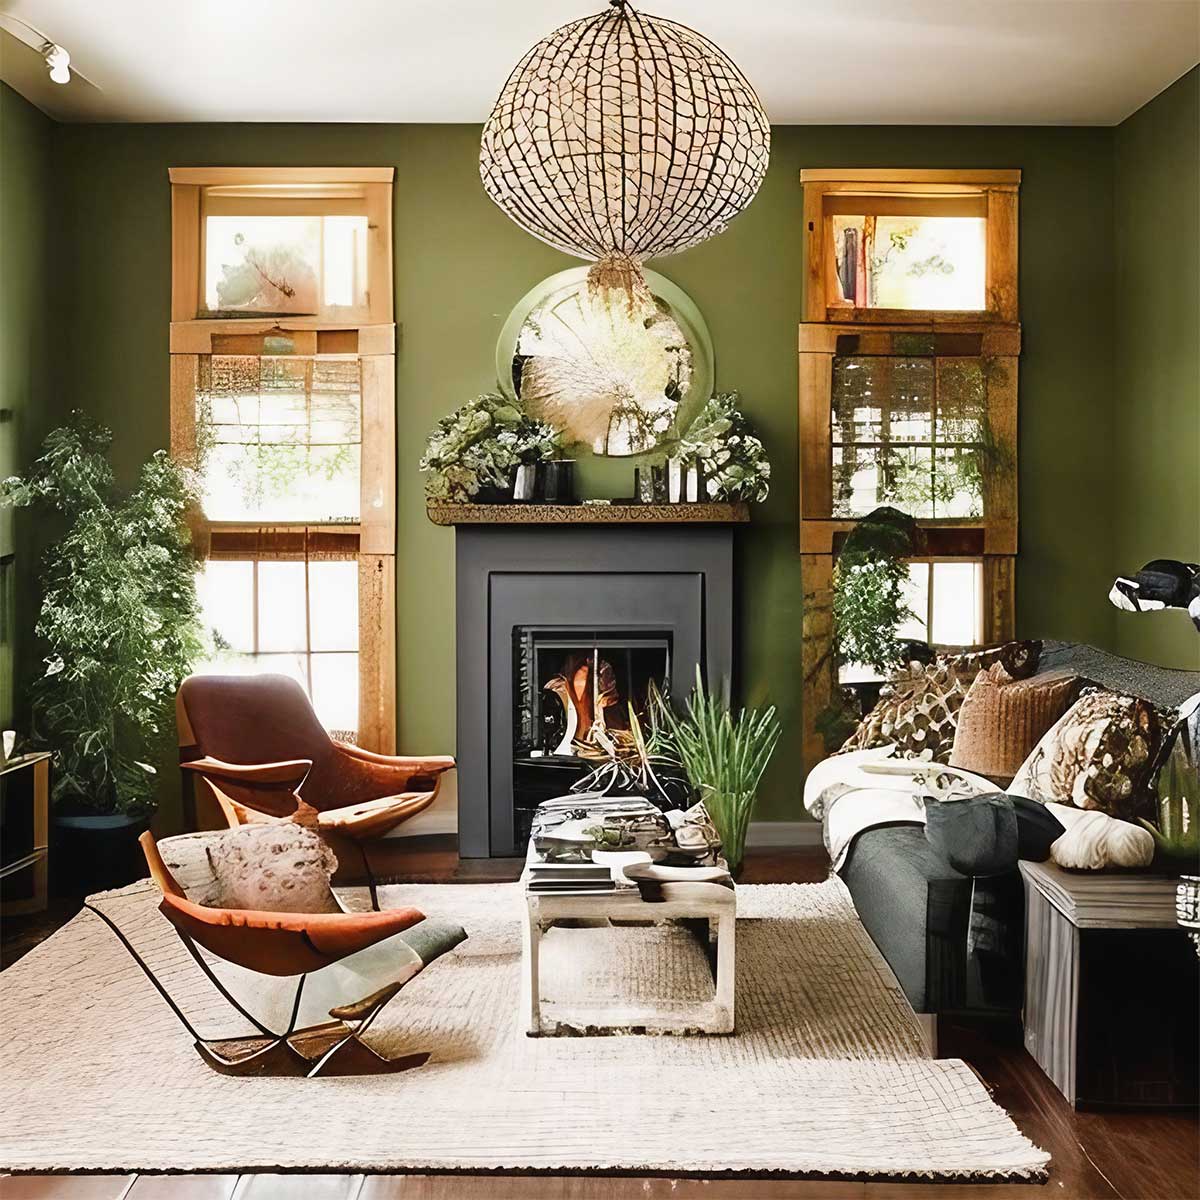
(474, 453)
(725, 757)
(1177, 834)
(721, 442)
(120, 624)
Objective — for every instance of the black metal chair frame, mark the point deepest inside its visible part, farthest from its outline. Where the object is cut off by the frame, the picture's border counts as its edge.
(339, 1044)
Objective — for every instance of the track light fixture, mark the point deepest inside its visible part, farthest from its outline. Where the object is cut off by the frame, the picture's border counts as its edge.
(59, 62)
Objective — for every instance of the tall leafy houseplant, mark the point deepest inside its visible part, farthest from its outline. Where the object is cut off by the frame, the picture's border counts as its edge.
(725, 757)
(868, 588)
(119, 618)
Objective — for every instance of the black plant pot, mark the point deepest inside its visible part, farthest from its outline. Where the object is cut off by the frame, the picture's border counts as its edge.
(489, 493)
(94, 852)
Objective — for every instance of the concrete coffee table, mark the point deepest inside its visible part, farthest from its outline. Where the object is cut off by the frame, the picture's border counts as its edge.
(712, 904)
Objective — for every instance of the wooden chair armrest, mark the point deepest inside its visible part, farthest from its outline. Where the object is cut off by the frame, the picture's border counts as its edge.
(277, 776)
(429, 765)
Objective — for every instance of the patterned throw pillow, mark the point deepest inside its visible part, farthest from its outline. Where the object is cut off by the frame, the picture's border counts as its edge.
(1101, 754)
(1002, 719)
(918, 707)
(271, 867)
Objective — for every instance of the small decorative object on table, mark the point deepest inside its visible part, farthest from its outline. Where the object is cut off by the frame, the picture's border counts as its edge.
(479, 448)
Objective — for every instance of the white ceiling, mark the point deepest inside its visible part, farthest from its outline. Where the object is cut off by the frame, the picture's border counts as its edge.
(845, 62)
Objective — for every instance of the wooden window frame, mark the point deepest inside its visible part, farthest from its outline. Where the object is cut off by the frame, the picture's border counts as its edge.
(996, 332)
(187, 235)
(820, 532)
(991, 193)
(371, 342)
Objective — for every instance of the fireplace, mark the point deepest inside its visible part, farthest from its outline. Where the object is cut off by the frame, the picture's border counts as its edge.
(573, 692)
(559, 631)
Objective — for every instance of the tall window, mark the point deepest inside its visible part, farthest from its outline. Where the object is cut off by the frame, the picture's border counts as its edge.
(278, 368)
(908, 398)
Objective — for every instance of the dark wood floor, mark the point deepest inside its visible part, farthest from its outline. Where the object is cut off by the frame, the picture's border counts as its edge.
(1136, 1156)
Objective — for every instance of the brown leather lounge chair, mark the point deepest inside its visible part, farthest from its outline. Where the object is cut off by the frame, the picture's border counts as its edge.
(289, 944)
(256, 741)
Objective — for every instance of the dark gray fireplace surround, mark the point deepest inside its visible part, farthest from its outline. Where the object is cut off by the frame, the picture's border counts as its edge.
(646, 578)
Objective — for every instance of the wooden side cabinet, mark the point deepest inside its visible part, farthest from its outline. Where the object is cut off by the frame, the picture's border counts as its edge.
(1111, 988)
(24, 833)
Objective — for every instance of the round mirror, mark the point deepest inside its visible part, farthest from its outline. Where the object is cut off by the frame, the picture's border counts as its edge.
(615, 377)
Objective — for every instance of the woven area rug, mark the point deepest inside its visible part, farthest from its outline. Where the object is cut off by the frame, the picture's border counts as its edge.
(825, 1076)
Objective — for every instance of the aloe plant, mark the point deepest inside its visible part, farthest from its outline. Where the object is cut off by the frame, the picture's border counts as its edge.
(725, 757)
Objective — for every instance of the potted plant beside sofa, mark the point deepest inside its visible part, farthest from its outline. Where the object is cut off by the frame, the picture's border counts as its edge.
(120, 628)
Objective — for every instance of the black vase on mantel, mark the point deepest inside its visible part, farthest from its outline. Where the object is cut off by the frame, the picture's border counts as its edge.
(558, 481)
(490, 493)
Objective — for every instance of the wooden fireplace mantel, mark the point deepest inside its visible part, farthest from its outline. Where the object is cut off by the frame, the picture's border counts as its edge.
(589, 514)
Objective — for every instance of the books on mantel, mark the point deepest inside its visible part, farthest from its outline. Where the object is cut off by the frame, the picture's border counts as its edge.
(570, 877)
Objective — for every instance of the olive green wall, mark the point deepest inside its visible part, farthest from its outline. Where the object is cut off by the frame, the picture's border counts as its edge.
(461, 265)
(26, 193)
(1156, 485)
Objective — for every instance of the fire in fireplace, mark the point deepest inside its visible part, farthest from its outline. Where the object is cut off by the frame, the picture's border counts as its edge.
(572, 692)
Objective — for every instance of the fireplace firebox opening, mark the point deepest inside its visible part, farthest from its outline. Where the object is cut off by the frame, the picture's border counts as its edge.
(572, 692)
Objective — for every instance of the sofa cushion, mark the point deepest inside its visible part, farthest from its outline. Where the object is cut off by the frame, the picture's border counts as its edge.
(1002, 719)
(986, 835)
(1101, 754)
(976, 835)
(918, 706)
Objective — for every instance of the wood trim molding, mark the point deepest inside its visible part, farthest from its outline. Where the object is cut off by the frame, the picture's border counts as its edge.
(226, 176)
(915, 175)
(701, 513)
(185, 252)
(204, 337)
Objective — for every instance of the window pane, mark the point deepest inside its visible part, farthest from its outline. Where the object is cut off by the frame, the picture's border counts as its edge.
(281, 617)
(279, 438)
(333, 603)
(345, 261)
(911, 262)
(335, 691)
(262, 264)
(916, 599)
(284, 265)
(226, 593)
(910, 431)
(957, 608)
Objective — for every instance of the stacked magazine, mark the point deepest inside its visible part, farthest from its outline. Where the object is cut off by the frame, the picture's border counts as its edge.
(570, 877)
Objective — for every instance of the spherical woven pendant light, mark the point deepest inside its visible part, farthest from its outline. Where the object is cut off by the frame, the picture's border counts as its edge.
(622, 137)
